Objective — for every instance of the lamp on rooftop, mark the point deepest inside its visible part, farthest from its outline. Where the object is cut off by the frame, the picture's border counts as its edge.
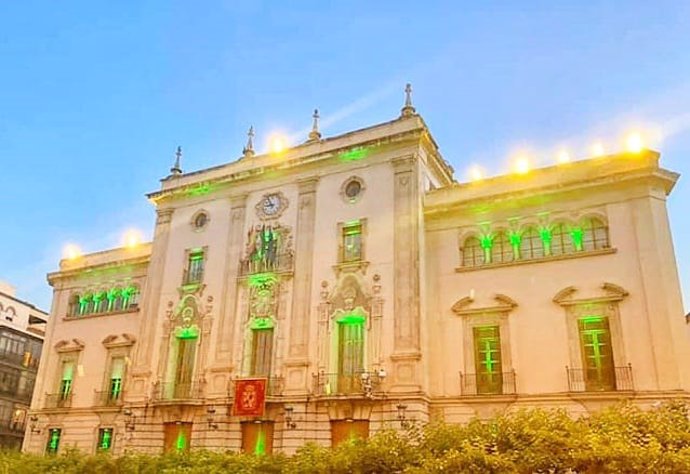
(522, 165)
(71, 252)
(634, 143)
(277, 143)
(132, 238)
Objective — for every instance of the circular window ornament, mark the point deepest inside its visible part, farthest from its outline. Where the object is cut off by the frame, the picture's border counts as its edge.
(352, 189)
(199, 220)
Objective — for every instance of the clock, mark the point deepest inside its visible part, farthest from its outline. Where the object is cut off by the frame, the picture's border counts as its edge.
(271, 205)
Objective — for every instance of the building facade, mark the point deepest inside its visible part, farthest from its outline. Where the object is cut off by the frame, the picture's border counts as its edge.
(367, 288)
(22, 327)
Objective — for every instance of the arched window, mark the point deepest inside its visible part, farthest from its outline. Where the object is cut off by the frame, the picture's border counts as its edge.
(561, 240)
(113, 297)
(501, 249)
(595, 234)
(472, 252)
(531, 245)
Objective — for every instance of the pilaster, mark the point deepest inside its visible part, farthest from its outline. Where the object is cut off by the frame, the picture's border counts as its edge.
(406, 346)
(141, 370)
(298, 351)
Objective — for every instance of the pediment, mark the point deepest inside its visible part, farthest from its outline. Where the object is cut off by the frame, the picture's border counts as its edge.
(69, 345)
(119, 340)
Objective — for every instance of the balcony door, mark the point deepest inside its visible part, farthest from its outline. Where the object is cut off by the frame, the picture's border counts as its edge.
(184, 366)
(487, 360)
(597, 354)
(350, 354)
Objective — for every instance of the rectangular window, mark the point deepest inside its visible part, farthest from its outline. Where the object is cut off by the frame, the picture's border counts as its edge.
(66, 379)
(597, 353)
(105, 439)
(184, 367)
(117, 369)
(352, 242)
(195, 267)
(53, 440)
(487, 359)
(262, 348)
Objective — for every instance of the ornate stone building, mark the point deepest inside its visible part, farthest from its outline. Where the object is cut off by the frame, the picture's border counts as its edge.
(368, 288)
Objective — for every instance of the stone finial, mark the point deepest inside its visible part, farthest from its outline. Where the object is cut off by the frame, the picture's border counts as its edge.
(408, 109)
(315, 135)
(176, 170)
(248, 150)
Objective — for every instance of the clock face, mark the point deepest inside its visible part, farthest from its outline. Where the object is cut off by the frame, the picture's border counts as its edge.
(271, 204)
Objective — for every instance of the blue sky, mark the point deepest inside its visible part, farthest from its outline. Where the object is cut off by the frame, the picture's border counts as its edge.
(95, 96)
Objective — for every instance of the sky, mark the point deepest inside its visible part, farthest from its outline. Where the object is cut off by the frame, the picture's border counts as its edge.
(95, 96)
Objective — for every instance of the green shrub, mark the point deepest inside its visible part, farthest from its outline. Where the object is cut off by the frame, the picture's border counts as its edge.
(622, 439)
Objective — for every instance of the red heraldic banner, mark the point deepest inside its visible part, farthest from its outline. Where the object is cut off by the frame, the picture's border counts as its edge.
(250, 397)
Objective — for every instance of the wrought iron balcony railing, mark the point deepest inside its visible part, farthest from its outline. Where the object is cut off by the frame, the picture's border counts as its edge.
(58, 400)
(175, 391)
(281, 262)
(498, 383)
(108, 398)
(11, 427)
(360, 383)
(612, 379)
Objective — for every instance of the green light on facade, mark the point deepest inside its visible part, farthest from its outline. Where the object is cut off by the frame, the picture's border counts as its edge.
(260, 279)
(260, 448)
(515, 240)
(262, 323)
(53, 440)
(354, 154)
(191, 332)
(487, 243)
(201, 189)
(181, 442)
(577, 234)
(352, 318)
(546, 238)
(106, 439)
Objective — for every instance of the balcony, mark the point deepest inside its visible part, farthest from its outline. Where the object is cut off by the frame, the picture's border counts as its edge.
(620, 379)
(274, 385)
(108, 398)
(58, 400)
(499, 383)
(27, 359)
(279, 263)
(177, 393)
(342, 385)
(12, 428)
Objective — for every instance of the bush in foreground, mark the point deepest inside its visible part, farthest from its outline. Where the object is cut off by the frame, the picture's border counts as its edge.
(623, 439)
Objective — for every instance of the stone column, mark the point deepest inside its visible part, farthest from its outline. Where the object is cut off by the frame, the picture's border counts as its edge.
(150, 303)
(298, 352)
(406, 212)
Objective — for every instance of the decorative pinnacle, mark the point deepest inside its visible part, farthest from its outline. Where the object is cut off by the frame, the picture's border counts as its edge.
(408, 109)
(248, 150)
(176, 170)
(315, 135)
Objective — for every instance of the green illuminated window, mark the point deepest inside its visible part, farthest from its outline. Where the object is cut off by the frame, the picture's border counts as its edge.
(561, 240)
(184, 365)
(195, 267)
(53, 440)
(262, 349)
(502, 249)
(66, 379)
(487, 243)
(117, 369)
(352, 242)
(531, 245)
(257, 438)
(597, 353)
(84, 304)
(487, 359)
(472, 252)
(515, 242)
(105, 439)
(112, 296)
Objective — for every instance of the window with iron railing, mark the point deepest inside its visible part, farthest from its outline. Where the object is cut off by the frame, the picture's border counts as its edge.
(597, 353)
(487, 359)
